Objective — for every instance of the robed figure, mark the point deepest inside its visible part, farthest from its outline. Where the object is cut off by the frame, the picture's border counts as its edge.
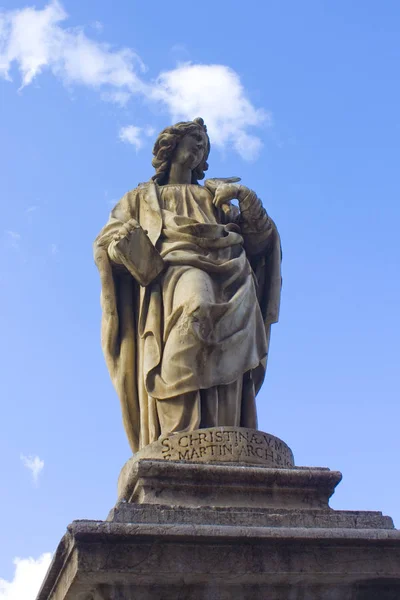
(190, 287)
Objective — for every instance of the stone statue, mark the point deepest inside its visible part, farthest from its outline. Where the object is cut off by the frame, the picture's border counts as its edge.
(190, 287)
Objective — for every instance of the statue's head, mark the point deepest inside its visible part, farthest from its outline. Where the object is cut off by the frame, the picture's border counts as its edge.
(173, 143)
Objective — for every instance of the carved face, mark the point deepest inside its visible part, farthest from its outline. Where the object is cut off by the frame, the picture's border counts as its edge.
(191, 149)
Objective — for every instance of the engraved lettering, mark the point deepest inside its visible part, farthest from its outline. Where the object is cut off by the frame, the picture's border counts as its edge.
(242, 451)
(166, 445)
(259, 452)
(227, 448)
(227, 444)
(211, 447)
(194, 454)
(250, 450)
(268, 440)
(183, 455)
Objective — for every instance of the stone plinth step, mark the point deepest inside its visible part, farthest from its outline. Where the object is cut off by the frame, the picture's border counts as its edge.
(155, 514)
(147, 561)
(146, 481)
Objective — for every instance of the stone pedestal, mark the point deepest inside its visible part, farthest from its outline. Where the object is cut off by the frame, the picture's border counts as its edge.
(217, 531)
(186, 484)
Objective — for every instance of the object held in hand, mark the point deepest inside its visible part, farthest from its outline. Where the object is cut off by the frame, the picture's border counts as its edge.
(138, 255)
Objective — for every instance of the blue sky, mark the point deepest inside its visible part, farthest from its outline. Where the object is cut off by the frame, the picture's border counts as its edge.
(302, 101)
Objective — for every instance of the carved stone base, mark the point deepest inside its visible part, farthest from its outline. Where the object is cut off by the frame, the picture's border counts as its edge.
(221, 445)
(198, 484)
(151, 552)
(224, 530)
(206, 467)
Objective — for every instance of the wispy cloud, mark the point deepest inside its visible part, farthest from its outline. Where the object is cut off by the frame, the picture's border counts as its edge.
(31, 209)
(97, 26)
(54, 249)
(131, 134)
(214, 92)
(28, 577)
(13, 238)
(35, 465)
(117, 97)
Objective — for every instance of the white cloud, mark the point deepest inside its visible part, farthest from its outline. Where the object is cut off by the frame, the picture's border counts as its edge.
(215, 93)
(28, 577)
(34, 464)
(131, 135)
(54, 249)
(37, 40)
(134, 135)
(31, 209)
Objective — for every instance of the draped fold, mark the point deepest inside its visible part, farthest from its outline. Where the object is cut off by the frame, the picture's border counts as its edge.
(205, 322)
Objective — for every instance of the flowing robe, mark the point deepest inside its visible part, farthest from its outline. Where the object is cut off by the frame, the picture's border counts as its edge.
(189, 350)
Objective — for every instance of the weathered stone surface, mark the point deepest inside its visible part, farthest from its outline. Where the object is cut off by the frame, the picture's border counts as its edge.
(125, 512)
(294, 547)
(196, 484)
(222, 445)
(121, 561)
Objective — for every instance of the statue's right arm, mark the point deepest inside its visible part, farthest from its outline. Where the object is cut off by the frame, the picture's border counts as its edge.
(118, 223)
(123, 232)
(128, 245)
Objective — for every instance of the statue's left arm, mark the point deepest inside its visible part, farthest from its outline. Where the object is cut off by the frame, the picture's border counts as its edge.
(255, 224)
(261, 241)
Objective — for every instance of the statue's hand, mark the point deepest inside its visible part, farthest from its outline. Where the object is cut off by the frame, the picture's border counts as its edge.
(230, 191)
(126, 229)
(123, 232)
(224, 190)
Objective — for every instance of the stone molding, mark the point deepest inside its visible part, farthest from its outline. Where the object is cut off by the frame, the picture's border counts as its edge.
(199, 484)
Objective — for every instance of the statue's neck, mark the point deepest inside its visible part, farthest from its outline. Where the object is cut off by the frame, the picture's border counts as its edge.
(179, 174)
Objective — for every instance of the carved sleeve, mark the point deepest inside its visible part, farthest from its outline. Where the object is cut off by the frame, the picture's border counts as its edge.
(254, 222)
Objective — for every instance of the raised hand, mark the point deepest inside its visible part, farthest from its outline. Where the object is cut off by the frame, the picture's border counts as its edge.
(225, 189)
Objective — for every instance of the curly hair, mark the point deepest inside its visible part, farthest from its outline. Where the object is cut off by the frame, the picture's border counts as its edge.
(165, 146)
